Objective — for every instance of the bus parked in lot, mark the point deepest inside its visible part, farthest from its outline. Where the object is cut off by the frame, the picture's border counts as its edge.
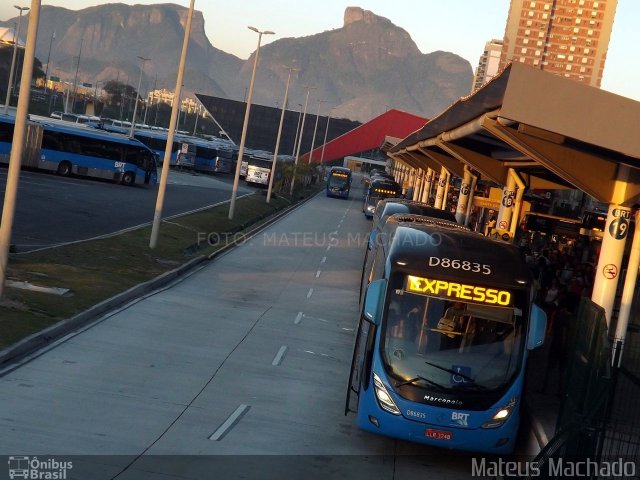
(69, 149)
(256, 167)
(446, 326)
(339, 182)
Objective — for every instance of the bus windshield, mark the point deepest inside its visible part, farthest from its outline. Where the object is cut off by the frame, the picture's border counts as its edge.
(429, 334)
(338, 180)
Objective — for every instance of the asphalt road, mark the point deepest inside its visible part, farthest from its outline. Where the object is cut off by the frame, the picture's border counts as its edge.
(238, 371)
(52, 209)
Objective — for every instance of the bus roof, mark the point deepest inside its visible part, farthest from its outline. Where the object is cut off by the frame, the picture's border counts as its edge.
(89, 132)
(415, 207)
(417, 242)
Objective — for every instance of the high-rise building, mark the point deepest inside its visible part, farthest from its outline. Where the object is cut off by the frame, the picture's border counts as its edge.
(566, 37)
(489, 64)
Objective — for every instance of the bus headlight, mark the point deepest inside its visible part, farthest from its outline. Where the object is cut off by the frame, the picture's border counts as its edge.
(502, 415)
(384, 399)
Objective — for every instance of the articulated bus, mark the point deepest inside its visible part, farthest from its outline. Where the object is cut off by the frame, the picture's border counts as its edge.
(69, 149)
(339, 182)
(447, 322)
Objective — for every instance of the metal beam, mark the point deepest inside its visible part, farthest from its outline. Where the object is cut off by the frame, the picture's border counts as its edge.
(426, 161)
(593, 175)
(445, 160)
(488, 167)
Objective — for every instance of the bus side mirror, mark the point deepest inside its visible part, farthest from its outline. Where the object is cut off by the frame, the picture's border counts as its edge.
(373, 301)
(537, 327)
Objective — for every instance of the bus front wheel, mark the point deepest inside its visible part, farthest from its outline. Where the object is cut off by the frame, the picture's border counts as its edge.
(64, 169)
(129, 178)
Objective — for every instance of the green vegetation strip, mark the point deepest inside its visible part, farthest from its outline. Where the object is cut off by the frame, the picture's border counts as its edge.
(96, 270)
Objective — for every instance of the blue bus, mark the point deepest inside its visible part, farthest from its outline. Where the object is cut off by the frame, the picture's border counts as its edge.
(156, 140)
(69, 149)
(447, 322)
(209, 156)
(339, 182)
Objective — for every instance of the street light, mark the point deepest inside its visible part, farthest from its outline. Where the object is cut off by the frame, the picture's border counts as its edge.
(275, 152)
(326, 130)
(304, 114)
(236, 179)
(135, 108)
(295, 139)
(315, 129)
(16, 38)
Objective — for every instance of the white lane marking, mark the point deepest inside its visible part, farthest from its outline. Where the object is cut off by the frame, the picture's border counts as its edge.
(278, 358)
(324, 259)
(298, 318)
(348, 329)
(229, 423)
(328, 248)
(316, 318)
(310, 293)
(318, 273)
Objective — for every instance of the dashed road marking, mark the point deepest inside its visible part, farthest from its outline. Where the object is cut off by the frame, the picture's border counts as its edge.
(229, 423)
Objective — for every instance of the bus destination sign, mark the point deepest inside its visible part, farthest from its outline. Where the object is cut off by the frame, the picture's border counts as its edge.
(458, 291)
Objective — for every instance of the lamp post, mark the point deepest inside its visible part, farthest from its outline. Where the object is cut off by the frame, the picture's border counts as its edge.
(75, 79)
(275, 152)
(46, 72)
(315, 129)
(135, 108)
(16, 37)
(304, 114)
(18, 140)
(157, 216)
(236, 179)
(326, 130)
(295, 139)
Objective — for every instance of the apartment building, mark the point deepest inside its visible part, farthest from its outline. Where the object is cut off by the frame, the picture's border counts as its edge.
(565, 37)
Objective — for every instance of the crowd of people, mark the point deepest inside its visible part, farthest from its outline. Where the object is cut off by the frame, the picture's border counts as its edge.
(564, 272)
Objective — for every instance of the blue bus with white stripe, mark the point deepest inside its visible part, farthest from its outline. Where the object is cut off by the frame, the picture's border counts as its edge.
(70, 149)
(441, 347)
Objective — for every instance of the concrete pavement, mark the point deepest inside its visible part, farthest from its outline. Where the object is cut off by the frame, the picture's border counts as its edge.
(238, 370)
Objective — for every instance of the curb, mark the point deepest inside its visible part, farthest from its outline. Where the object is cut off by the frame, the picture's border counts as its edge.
(31, 344)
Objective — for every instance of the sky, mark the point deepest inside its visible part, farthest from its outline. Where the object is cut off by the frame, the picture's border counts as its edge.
(458, 26)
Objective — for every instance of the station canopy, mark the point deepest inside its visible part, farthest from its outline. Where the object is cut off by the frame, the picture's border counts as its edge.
(555, 132)
(368, 136)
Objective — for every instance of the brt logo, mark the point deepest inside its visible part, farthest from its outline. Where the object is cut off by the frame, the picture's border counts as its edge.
(460, 418)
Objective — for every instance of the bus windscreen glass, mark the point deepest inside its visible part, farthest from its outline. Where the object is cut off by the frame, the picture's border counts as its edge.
(338, 180)
(453, 336)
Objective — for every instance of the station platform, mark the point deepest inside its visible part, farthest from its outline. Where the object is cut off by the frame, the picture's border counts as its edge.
(541, 402)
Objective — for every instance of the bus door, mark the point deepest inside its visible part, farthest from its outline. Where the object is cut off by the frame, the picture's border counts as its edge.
(362, 359)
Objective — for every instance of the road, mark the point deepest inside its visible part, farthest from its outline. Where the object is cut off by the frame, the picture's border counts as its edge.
(238, 371)
(52, 210)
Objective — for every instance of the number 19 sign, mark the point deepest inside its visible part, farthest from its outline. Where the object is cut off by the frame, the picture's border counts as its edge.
(619, 227)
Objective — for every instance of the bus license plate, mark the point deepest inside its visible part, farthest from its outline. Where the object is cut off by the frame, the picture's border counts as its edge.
(437, 434)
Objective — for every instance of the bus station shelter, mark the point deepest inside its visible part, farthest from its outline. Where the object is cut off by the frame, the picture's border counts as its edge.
(530, 129)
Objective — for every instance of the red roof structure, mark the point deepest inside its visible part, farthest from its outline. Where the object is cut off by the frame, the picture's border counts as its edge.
(370, 135)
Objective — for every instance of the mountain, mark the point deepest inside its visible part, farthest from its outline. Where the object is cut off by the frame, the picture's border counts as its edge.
(363, 68)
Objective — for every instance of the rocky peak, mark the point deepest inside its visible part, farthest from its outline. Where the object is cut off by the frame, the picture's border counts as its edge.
(357, 14)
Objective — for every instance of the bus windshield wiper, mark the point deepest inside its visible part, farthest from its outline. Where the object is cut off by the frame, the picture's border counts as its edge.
(420, 377)
(453, 372)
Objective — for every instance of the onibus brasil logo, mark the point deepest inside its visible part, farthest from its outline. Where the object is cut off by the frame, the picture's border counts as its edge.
(34, 468)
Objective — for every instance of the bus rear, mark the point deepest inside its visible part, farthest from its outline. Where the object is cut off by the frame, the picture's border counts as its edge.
(443, 340)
